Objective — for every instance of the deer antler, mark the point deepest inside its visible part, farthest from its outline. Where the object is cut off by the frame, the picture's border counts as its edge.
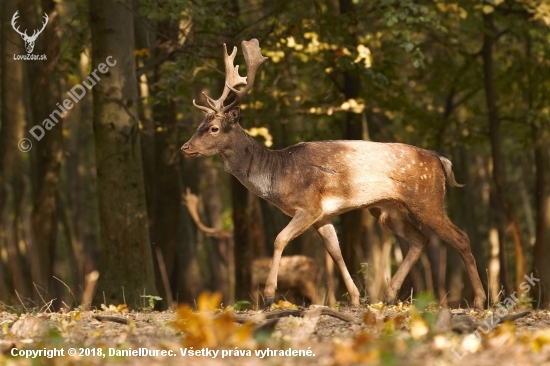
(15, 16)
(192, 202)
(253, 59)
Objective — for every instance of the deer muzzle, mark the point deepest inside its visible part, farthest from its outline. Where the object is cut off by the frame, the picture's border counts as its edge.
(188, 154)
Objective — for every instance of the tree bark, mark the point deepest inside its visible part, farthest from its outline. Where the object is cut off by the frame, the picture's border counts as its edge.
(242, 243)
(49, 152)
(126, 256)
(166, 200)
(11, 132)
(499, 172)
(542, 201)
(216, 250)
(353, 232)
(188, 279)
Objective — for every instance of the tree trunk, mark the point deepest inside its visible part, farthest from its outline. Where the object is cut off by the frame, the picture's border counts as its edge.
(127, 262)
(213, 207)
(241, 239)
(11, 132)
(166, 202)
(49, 153)
(499, 172)
(542, 201)
(353, 230)
(187, 279)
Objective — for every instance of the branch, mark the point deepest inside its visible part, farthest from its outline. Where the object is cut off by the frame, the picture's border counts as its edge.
(114, 319)
(296, 312)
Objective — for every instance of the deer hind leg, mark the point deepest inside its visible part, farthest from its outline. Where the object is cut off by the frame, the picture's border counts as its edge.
(442, 226)
(398, 222)
(328, 234)
(299, 223)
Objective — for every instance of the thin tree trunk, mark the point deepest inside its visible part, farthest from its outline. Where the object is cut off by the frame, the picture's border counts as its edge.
(216, 249)
(542, 201)
(166, 190)
(126, 255)
(541, 138)
(13, 123)
(49, 152)
(499, 173)
(257, 234)
(353, 230)
(187, 280)
(241, 240)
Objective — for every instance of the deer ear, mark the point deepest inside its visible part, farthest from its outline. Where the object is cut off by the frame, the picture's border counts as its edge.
(233, 115)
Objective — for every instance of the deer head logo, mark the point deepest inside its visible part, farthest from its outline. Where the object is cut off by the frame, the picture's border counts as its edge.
(29, 40)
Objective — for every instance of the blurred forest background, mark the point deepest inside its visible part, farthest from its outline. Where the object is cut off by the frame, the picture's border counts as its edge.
(104, 189)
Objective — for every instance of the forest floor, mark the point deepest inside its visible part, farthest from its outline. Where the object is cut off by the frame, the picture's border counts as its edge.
(375, 334)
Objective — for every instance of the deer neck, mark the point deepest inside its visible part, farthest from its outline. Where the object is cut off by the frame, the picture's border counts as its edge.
(247, 161)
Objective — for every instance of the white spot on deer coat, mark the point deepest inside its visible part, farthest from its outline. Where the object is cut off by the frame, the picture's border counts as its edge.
(331, 204)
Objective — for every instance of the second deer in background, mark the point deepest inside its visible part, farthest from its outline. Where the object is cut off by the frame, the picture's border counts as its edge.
(299, 275)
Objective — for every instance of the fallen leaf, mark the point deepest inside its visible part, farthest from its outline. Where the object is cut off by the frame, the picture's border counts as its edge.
(540, 339)
(419, 329)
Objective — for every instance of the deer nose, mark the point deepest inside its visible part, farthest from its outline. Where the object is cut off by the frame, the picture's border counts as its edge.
(185, 147)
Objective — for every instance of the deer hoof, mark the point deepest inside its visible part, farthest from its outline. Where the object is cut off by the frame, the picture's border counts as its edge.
(268, 301)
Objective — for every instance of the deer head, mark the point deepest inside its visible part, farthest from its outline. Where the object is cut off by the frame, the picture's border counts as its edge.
(217, 130)
(29, 40)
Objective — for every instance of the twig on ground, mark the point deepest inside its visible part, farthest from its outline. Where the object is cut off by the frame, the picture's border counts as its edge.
(47, 306)
(24, 307)
(114, 319)
(39, 294)
(296, 312)
(464, 324)
(164, 277)
(68, 288)
(513, 317)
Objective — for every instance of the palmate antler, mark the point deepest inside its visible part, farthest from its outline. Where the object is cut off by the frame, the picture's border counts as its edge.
(253, 59)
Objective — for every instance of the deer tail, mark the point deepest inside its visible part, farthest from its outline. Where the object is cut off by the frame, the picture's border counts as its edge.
(448, 169)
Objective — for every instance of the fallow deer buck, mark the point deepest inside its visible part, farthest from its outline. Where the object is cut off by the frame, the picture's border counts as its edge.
(313, 181)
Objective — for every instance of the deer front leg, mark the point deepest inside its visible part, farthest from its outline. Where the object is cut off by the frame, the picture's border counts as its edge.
(299, 223)
(328, 234)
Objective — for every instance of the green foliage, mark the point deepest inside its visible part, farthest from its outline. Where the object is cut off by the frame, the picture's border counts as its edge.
(151, 299)
(241, 305)
(426, 306)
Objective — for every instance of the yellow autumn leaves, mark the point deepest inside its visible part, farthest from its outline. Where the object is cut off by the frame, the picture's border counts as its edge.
(205, 328)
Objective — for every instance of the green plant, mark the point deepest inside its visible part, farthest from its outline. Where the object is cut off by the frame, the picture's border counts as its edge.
(524, 301)
(152, 299)
(241, 305)
(365, 272)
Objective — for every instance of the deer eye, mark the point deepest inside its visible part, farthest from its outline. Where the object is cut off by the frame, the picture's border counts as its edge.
(214, 129)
